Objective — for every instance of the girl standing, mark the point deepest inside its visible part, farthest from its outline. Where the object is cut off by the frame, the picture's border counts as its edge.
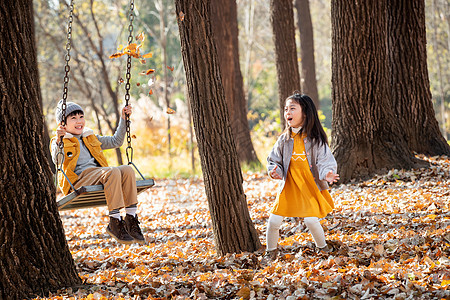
(301, 158)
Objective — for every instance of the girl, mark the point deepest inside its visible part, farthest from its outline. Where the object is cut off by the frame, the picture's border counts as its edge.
(302, 159)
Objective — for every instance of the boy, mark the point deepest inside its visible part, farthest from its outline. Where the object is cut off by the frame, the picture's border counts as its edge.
(85, 164)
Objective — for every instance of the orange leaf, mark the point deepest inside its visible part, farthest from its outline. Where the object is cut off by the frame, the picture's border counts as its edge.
(170, 68)
(140, 37)
(148, 55)
(115, 55)
(148, 72)
(138, 83)
(120, 81)
(150, 92)
(181, 16)
(133, 136)
(170, 111)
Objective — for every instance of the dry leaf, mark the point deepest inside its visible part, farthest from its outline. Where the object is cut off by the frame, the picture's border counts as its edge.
(170, 111)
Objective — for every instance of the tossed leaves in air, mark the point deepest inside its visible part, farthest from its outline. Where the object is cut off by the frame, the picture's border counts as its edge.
(115, 55)
(148, 55)
(170, 111)
(181, 16)
(138, 83)
(170, 68)
(120, 81)
(140, 37)
(148, 72)
(150, 92)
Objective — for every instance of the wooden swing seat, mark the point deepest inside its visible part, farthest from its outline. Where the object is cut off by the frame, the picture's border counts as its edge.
(94, 196)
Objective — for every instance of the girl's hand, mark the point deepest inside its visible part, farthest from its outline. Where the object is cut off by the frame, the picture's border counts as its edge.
(331, 177)
(127, 110)
(60, 131)
(273, 174)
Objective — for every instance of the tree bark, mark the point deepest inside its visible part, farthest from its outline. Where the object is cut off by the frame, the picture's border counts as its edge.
(366, 134)
(225, 29)
(305, 27)
(410, 85)
(35, 257)
(282, 18)
(233, 229)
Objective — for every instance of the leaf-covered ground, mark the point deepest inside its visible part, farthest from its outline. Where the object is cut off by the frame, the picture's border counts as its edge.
(392, 234)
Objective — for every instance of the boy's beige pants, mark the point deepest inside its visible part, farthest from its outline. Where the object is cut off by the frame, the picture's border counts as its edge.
(119, 184)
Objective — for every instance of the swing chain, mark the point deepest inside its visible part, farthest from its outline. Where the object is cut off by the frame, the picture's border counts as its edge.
(129, 149)
(66, 82)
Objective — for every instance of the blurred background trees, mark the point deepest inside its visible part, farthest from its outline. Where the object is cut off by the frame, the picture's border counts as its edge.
(162, 143)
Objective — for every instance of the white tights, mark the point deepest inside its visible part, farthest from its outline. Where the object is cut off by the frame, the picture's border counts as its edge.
(273, 231)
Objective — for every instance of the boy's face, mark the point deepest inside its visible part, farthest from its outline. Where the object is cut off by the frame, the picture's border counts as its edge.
(75, 124)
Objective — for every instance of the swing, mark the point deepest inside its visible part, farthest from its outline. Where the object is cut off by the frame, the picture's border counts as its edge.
(94, 195)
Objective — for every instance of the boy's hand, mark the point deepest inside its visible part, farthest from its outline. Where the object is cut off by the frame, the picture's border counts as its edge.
(60, 131)
(331, 177)
(127, 110)
(273, 174)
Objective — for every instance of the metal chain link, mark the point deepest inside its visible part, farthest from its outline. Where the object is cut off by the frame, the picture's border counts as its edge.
(129, 149)
(66, 81)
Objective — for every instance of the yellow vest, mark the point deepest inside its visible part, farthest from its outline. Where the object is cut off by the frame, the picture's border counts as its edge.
(71, 154)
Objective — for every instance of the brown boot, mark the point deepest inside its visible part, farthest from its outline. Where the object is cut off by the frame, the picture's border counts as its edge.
(116, 229)
(133, 229)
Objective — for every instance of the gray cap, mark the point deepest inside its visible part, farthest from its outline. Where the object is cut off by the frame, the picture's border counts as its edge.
(70, 108)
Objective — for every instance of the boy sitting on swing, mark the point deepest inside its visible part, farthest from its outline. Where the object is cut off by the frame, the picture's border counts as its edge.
(85, 164)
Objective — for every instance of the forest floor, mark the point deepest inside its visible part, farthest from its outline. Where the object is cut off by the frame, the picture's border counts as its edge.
(392, 233)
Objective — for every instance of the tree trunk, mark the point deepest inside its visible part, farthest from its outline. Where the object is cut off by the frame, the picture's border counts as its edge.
(232, 226)
(35, 257)
(305, 27)
(366, 134)
(282, 18)
(410, 86)
(226, 34)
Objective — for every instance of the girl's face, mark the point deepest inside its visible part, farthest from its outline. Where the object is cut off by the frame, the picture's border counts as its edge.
(293, 114)
(75, 124)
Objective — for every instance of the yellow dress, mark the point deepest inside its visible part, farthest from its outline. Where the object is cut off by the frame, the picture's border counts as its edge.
(300, 196)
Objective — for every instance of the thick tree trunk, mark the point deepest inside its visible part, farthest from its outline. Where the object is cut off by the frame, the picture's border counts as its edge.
(366, 134)
(282, 18)
(305, 27)
(34, 253)
(232, 226)
(225, 29)
(410, 86)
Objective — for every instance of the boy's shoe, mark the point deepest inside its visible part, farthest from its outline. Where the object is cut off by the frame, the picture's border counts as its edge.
(133, 229)
(269, 256)
(116, 229)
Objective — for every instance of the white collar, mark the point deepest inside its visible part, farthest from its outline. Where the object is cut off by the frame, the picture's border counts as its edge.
(296, 130)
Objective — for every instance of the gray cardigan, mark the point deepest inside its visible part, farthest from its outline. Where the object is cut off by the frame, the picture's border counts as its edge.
(320, 159)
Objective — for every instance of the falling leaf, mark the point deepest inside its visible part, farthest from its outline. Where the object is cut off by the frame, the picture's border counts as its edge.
(133, 136)
(170, 68)
(148, 55)
(115, 55)
(140, 37)
(148, 72)
(120, 81)
(150, 92)
(120, 47)
(181, 16)
(138, 83)
(142, 61)
(170, 111)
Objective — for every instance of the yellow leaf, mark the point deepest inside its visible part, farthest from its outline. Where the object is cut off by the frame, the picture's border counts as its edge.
(170, 111)
(445, 282)
(148, 55)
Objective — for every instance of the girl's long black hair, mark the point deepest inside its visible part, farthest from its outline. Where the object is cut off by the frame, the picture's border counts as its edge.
(311, 126)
